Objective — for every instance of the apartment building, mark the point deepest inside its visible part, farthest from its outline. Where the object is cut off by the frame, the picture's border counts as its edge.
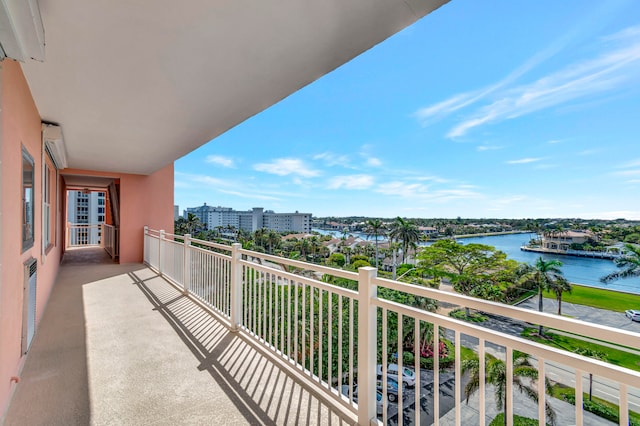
(86, 208)
(250, 220)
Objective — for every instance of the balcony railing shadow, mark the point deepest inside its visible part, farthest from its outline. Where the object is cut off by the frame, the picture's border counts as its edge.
(260, 390)
(119, 344)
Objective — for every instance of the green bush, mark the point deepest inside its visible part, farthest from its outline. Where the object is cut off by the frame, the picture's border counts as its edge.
(517, 421)
(357, 257)
(336, 259)
(360, 263)
(461, 314)
(599, 410)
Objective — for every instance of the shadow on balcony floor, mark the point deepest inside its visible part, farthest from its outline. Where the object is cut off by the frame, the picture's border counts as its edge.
(126, 347)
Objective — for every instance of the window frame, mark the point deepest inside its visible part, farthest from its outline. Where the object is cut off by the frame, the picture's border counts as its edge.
(27, 206)
(49, 201)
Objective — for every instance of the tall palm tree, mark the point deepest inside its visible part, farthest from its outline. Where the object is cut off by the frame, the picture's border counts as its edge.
(273, 240)
(545, 275)
(376, 228)
(406, 232)
(629, 263)
(193, 223)
(558, 287)
(496, 375)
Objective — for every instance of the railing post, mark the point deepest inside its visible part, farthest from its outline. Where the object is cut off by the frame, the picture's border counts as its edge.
(186, 267)
(145, 244)
(160, 245)
(367, 345)
(236, 287)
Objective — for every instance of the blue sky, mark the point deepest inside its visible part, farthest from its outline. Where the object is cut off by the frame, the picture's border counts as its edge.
(481, 109)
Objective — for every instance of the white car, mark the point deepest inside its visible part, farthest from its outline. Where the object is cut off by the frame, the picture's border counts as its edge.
(408, 376)
(634, 315)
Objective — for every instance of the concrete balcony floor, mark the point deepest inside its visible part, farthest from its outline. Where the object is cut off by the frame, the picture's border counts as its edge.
(119, 345)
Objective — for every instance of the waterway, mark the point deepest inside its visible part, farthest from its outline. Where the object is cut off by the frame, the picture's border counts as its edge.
(578, 270)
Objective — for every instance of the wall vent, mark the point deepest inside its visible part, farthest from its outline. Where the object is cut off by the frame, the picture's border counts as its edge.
(29, 303)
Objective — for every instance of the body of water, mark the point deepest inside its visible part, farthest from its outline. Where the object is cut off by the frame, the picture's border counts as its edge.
(578, 270)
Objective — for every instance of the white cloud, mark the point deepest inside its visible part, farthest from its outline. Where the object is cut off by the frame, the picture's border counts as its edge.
(287, 166)
(524, 160)
(587, 152)
(555, 141)
(611, 70)
(631, 172)
(332, 159)
(374, 162)
(351, 182)
(249, 195)
(487, 148)
(219, 160)
(418, 191)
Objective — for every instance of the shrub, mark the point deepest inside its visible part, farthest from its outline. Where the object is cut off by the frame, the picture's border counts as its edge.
(336, 259)
(360, 263)
(357, 257)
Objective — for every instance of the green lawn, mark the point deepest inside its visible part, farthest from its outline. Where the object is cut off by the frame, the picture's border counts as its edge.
(600, 298)
(600, 407)
(614, 356)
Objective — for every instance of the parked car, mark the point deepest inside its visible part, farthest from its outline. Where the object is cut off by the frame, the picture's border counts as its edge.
(633, 314)
(408, 376)
(345, 391)
(392, 389)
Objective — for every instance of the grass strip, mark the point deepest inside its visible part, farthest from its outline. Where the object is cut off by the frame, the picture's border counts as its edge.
(599, 298)
(613, 356)
(597, 406)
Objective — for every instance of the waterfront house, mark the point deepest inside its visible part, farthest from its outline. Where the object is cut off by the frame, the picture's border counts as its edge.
(562, 240)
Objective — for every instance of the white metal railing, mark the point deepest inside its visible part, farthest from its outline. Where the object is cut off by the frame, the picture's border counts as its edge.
(79, 235)
(111, 240)
(338, 335)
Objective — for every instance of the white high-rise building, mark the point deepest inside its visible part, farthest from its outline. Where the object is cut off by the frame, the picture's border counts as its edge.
(86, 209)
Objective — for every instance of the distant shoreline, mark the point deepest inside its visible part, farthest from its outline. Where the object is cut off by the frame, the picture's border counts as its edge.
(491, 234)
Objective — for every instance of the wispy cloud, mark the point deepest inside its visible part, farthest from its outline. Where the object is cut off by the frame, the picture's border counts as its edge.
(419, 191)
(524, 160)
(219, 160)
(611, 70)
(587, 152)
(287, 166)
(555, 141)
(250, 195)
(374, 162)
(482, 148)
(331, 159)
(351, 182)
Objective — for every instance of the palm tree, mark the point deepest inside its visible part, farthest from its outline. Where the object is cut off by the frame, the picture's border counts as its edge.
(273, 240)
(375, 227)
(591, 353)
(629, 263)
(193, 223)
(545, 275)
(558, 287)
(406, 232)
(496, 375)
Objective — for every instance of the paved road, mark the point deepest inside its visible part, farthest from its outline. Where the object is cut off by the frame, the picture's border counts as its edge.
(585, 313)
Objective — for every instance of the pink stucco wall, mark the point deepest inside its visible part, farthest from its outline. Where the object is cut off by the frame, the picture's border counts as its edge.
(20, 127)
(144, 200)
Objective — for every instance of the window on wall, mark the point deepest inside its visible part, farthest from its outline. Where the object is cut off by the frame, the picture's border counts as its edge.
(27, 199)
(48, 200)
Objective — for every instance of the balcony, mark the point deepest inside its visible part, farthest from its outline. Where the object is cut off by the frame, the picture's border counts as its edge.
(208, 333)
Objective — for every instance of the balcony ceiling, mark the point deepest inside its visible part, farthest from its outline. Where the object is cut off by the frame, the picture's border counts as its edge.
(136, 85)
